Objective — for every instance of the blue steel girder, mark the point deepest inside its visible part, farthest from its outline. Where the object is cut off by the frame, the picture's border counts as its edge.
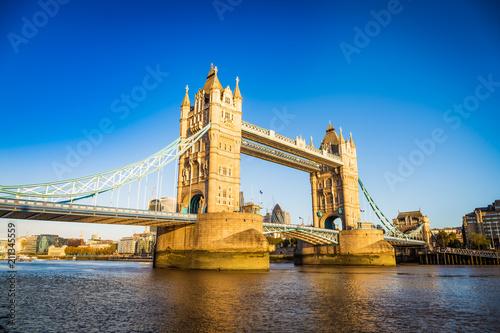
(385, 221)
(71, 212)
(84, 187)
(398, 241)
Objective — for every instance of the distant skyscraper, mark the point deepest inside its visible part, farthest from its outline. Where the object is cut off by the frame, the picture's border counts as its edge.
(278, 216)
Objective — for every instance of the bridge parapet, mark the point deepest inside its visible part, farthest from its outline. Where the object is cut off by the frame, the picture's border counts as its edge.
(469, 252)
(258, 129)
(400, 241)
(266, 153)
(271, 138)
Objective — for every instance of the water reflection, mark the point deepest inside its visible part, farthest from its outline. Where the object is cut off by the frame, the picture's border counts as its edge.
(133, 297)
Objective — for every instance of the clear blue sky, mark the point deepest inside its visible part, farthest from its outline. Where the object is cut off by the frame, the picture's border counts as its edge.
(391, 84)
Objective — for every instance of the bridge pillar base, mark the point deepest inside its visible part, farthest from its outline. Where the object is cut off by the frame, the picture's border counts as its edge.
(218, 241)
(357, 248)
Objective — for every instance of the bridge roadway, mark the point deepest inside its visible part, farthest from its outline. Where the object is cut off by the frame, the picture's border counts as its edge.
(296, 147)
(71, 212)
(276, 156)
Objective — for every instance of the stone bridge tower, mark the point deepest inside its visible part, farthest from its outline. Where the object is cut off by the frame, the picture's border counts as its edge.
(209, 172)
(335, 190)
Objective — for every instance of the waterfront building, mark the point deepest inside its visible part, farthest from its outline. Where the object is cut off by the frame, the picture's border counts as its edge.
(126, 245)
(97, 243)
(20, 244)
(30, 247)
(4, 244)
(75, 242)
(55, 251)
(143, 244)
(485, 221)
(43, 242)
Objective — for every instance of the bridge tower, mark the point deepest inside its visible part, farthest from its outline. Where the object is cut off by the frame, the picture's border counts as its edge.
(209, 172)
(335, 190)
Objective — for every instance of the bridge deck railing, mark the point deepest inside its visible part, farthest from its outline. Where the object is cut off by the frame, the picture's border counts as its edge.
(300, 227)
(469, 252)
(290, 142)
(17, 203)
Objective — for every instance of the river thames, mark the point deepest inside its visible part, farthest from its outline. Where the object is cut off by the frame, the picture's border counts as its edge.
(91, 296)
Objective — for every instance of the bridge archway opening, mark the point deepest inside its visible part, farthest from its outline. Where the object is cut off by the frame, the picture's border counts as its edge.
(196, 203)
(332, 222)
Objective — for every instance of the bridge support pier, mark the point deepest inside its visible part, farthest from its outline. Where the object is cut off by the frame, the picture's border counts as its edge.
(360, 247)
(218, 241)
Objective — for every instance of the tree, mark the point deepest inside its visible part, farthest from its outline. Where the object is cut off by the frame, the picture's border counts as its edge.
(479, 240)
(442, 239)
(453, 241)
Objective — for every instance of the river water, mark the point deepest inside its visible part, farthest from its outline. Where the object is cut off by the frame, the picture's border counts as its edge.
(92, 296)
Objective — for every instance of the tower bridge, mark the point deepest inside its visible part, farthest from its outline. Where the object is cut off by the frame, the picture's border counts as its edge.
(207, 217)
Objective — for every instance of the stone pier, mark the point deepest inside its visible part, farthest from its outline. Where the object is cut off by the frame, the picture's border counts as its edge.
(218, 241)
(362, 247)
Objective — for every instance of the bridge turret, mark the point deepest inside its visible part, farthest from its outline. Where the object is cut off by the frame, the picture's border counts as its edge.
(212, 86)
(185, 108)
(351, 142)
(209, 174)
(335, 190)
(237, 96)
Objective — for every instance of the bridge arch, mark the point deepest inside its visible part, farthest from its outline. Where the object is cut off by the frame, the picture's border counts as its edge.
(196, 204)
(328, 221)
(193, 204)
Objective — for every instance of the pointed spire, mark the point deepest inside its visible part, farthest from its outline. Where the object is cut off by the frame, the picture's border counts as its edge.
(341, 138)
(330, 127)
(350, 140)
(186, 102)
(312, 145)
(212, 80)
(237, 93)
